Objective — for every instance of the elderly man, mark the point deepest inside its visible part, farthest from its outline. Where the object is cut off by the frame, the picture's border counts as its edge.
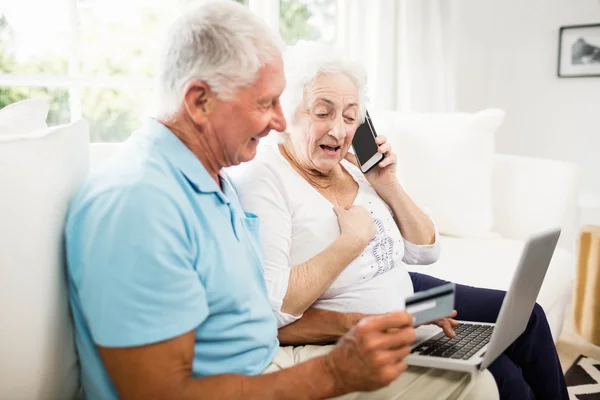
(164, 266)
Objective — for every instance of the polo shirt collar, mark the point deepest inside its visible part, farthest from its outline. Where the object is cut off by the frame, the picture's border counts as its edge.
(182, 158)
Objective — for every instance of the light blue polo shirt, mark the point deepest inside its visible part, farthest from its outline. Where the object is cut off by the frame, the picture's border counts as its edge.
(156, 249)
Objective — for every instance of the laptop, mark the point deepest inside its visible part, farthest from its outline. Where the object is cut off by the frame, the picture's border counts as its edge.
(476, 344)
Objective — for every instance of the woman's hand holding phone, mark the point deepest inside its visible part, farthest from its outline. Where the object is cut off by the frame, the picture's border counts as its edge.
(383, 176)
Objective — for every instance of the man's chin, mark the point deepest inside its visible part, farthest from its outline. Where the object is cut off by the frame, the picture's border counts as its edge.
(246, 156)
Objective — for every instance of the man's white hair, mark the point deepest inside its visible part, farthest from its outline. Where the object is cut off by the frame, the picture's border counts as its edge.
(221, 43)
(305, 61)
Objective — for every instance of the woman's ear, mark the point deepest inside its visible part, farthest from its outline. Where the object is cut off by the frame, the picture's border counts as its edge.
(199, 101)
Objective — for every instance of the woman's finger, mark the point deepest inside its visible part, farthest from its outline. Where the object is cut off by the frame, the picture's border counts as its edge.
(385, 148)
(384, 163)
(380, 140)
(448, 330)
(388, 160)
(446, 327)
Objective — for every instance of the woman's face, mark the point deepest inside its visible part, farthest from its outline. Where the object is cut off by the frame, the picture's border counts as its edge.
(325, 125)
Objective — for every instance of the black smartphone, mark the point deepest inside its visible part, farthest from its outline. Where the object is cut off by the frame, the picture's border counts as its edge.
(365, 148)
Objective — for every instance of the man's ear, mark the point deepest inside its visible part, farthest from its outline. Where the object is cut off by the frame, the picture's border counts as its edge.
(199, 101)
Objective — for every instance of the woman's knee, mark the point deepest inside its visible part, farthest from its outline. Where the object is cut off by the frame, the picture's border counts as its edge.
(538, 323)
(539, 310)
(538, 314)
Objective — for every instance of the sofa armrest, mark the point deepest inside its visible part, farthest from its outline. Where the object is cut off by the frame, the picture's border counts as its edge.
(534, 194)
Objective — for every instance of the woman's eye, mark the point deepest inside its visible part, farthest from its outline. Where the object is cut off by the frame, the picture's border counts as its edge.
(321, 115)
(349, 119)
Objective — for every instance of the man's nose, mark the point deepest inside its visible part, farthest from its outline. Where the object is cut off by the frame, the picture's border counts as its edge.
(278, 122)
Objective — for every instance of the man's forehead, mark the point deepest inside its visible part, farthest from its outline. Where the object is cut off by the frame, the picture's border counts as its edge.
(271, 77)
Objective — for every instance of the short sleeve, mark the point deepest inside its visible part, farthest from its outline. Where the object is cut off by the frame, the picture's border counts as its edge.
(261, 193)
(137, 283)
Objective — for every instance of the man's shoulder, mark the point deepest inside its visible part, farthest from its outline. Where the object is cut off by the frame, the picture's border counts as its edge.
(135, 162)
(129, 176)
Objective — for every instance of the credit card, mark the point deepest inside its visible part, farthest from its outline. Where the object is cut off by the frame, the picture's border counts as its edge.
(431, 304)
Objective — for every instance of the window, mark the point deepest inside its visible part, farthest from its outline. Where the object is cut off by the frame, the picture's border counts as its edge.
(308, 20)
(95, 58)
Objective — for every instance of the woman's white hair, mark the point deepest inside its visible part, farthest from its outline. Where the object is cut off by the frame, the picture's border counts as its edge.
(221, 43)
(305, 61)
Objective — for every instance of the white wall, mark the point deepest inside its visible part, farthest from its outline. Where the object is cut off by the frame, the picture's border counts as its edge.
(507, 58)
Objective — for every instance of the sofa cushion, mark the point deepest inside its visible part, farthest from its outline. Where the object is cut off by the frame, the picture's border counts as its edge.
(492, 264)
(533, 195)
(23, 116)
(445, 164)
(39, 172)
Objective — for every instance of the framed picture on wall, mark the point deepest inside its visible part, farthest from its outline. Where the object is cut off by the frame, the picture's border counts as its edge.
(579, 51)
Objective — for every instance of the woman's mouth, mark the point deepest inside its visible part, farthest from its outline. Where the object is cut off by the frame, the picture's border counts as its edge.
(330, 150)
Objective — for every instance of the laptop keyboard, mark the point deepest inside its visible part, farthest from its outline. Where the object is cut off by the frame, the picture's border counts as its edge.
(470, 338)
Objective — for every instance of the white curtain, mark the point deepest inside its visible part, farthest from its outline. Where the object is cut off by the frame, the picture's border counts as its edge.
(407, 48)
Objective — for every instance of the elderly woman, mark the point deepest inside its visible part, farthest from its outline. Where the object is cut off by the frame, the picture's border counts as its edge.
(336, 241)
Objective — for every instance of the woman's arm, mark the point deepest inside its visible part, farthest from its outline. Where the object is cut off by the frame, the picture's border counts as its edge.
(307, 281)
(421, 244)
(318, 327)
(415, 226)
(420, 238)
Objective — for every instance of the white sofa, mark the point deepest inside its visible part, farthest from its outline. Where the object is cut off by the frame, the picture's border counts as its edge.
(39, 171)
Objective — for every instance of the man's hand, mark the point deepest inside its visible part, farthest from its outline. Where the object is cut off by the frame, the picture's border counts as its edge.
(370, 355)
(447, 324)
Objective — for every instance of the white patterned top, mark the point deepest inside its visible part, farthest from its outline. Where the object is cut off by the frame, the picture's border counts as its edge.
(297, 223)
